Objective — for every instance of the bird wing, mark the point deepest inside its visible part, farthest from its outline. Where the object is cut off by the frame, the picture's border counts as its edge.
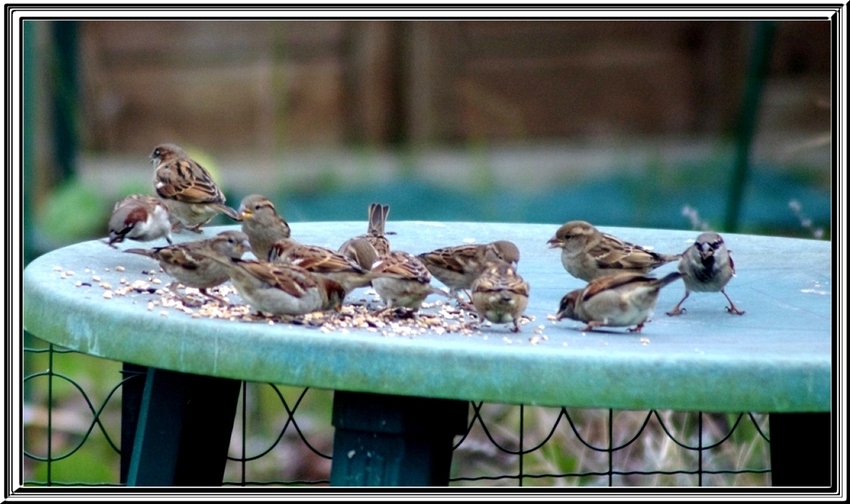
(184, 180)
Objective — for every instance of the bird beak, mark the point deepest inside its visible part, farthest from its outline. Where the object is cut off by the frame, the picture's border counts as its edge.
(244, 213)
(555, 243)
(705, 254)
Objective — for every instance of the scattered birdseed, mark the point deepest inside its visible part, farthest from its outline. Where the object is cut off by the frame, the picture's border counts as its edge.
(534, 340)
(69, 273)
(119, 268)
(105, 285)
(553, 318)
(644, 341)
(63, 275)
(107, 295)
(95, 278)
(163, 313)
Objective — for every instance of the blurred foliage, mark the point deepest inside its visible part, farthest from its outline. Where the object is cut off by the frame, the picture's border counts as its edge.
(73, 210)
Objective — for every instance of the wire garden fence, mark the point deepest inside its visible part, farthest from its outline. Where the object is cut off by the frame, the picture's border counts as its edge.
(73, 436)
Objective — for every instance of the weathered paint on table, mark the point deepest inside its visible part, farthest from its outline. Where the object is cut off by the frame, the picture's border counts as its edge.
(776, 358)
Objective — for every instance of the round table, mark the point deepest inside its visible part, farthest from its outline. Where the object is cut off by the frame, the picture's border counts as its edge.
(776, 358)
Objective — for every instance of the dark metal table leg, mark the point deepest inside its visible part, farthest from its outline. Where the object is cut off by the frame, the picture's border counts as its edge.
(131, 402)
(388, 440)
(801, 447)
(184, 429)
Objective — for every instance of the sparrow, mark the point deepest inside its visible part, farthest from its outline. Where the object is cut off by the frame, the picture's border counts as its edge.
(139, 217)
(616, 300)
(262, 224)
(321, 261)
(360, 251)
(192, 197)
(367, 248)
(281, 289)
(500, 295)
(458, 267)
(189, 263)
(706, 266)
(402, 280)
(587, 253)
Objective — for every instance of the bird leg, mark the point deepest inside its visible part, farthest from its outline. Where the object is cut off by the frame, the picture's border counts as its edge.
(592, 324)
(196, 228)
(637, 328)
(731, 308)
(213, 296)
(678, 310)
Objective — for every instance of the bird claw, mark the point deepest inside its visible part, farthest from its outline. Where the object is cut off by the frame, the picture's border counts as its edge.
(734, 310)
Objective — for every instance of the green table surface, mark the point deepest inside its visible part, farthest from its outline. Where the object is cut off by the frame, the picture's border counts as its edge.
(775, 358)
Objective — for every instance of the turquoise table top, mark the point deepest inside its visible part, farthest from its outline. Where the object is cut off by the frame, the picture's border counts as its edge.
(775, 358)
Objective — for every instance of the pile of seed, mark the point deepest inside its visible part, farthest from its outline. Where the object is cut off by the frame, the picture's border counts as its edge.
(366, 313)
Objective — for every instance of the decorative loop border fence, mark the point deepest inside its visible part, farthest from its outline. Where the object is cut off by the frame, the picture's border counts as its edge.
(505, 448)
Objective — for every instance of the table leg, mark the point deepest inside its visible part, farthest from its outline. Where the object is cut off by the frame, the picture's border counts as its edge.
(801, 449)
(184, 427)
(131, 402)
(389, 440)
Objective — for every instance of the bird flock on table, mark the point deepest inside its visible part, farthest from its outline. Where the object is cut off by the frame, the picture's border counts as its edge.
(292, 278)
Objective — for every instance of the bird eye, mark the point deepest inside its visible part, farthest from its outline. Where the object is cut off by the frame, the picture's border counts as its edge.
(257, 206)
(716, 245)
(157, 152)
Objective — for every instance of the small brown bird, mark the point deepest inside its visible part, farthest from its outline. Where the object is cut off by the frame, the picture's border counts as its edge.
(193, 198)
(617, 300)
(139, 217)
(281, 289)
(706, 266)
(189, 263)
(262, 224)
(402, 280)
(321, 261)
(458, 267)
(587, 253)
(500, 295)
(367, 248)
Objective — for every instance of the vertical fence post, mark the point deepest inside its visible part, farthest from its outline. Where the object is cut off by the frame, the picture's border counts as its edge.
(28, 137)
(759, 61)
(65, 103)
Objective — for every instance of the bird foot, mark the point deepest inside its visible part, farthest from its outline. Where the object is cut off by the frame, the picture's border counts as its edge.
(734, 310)
(676, 311)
